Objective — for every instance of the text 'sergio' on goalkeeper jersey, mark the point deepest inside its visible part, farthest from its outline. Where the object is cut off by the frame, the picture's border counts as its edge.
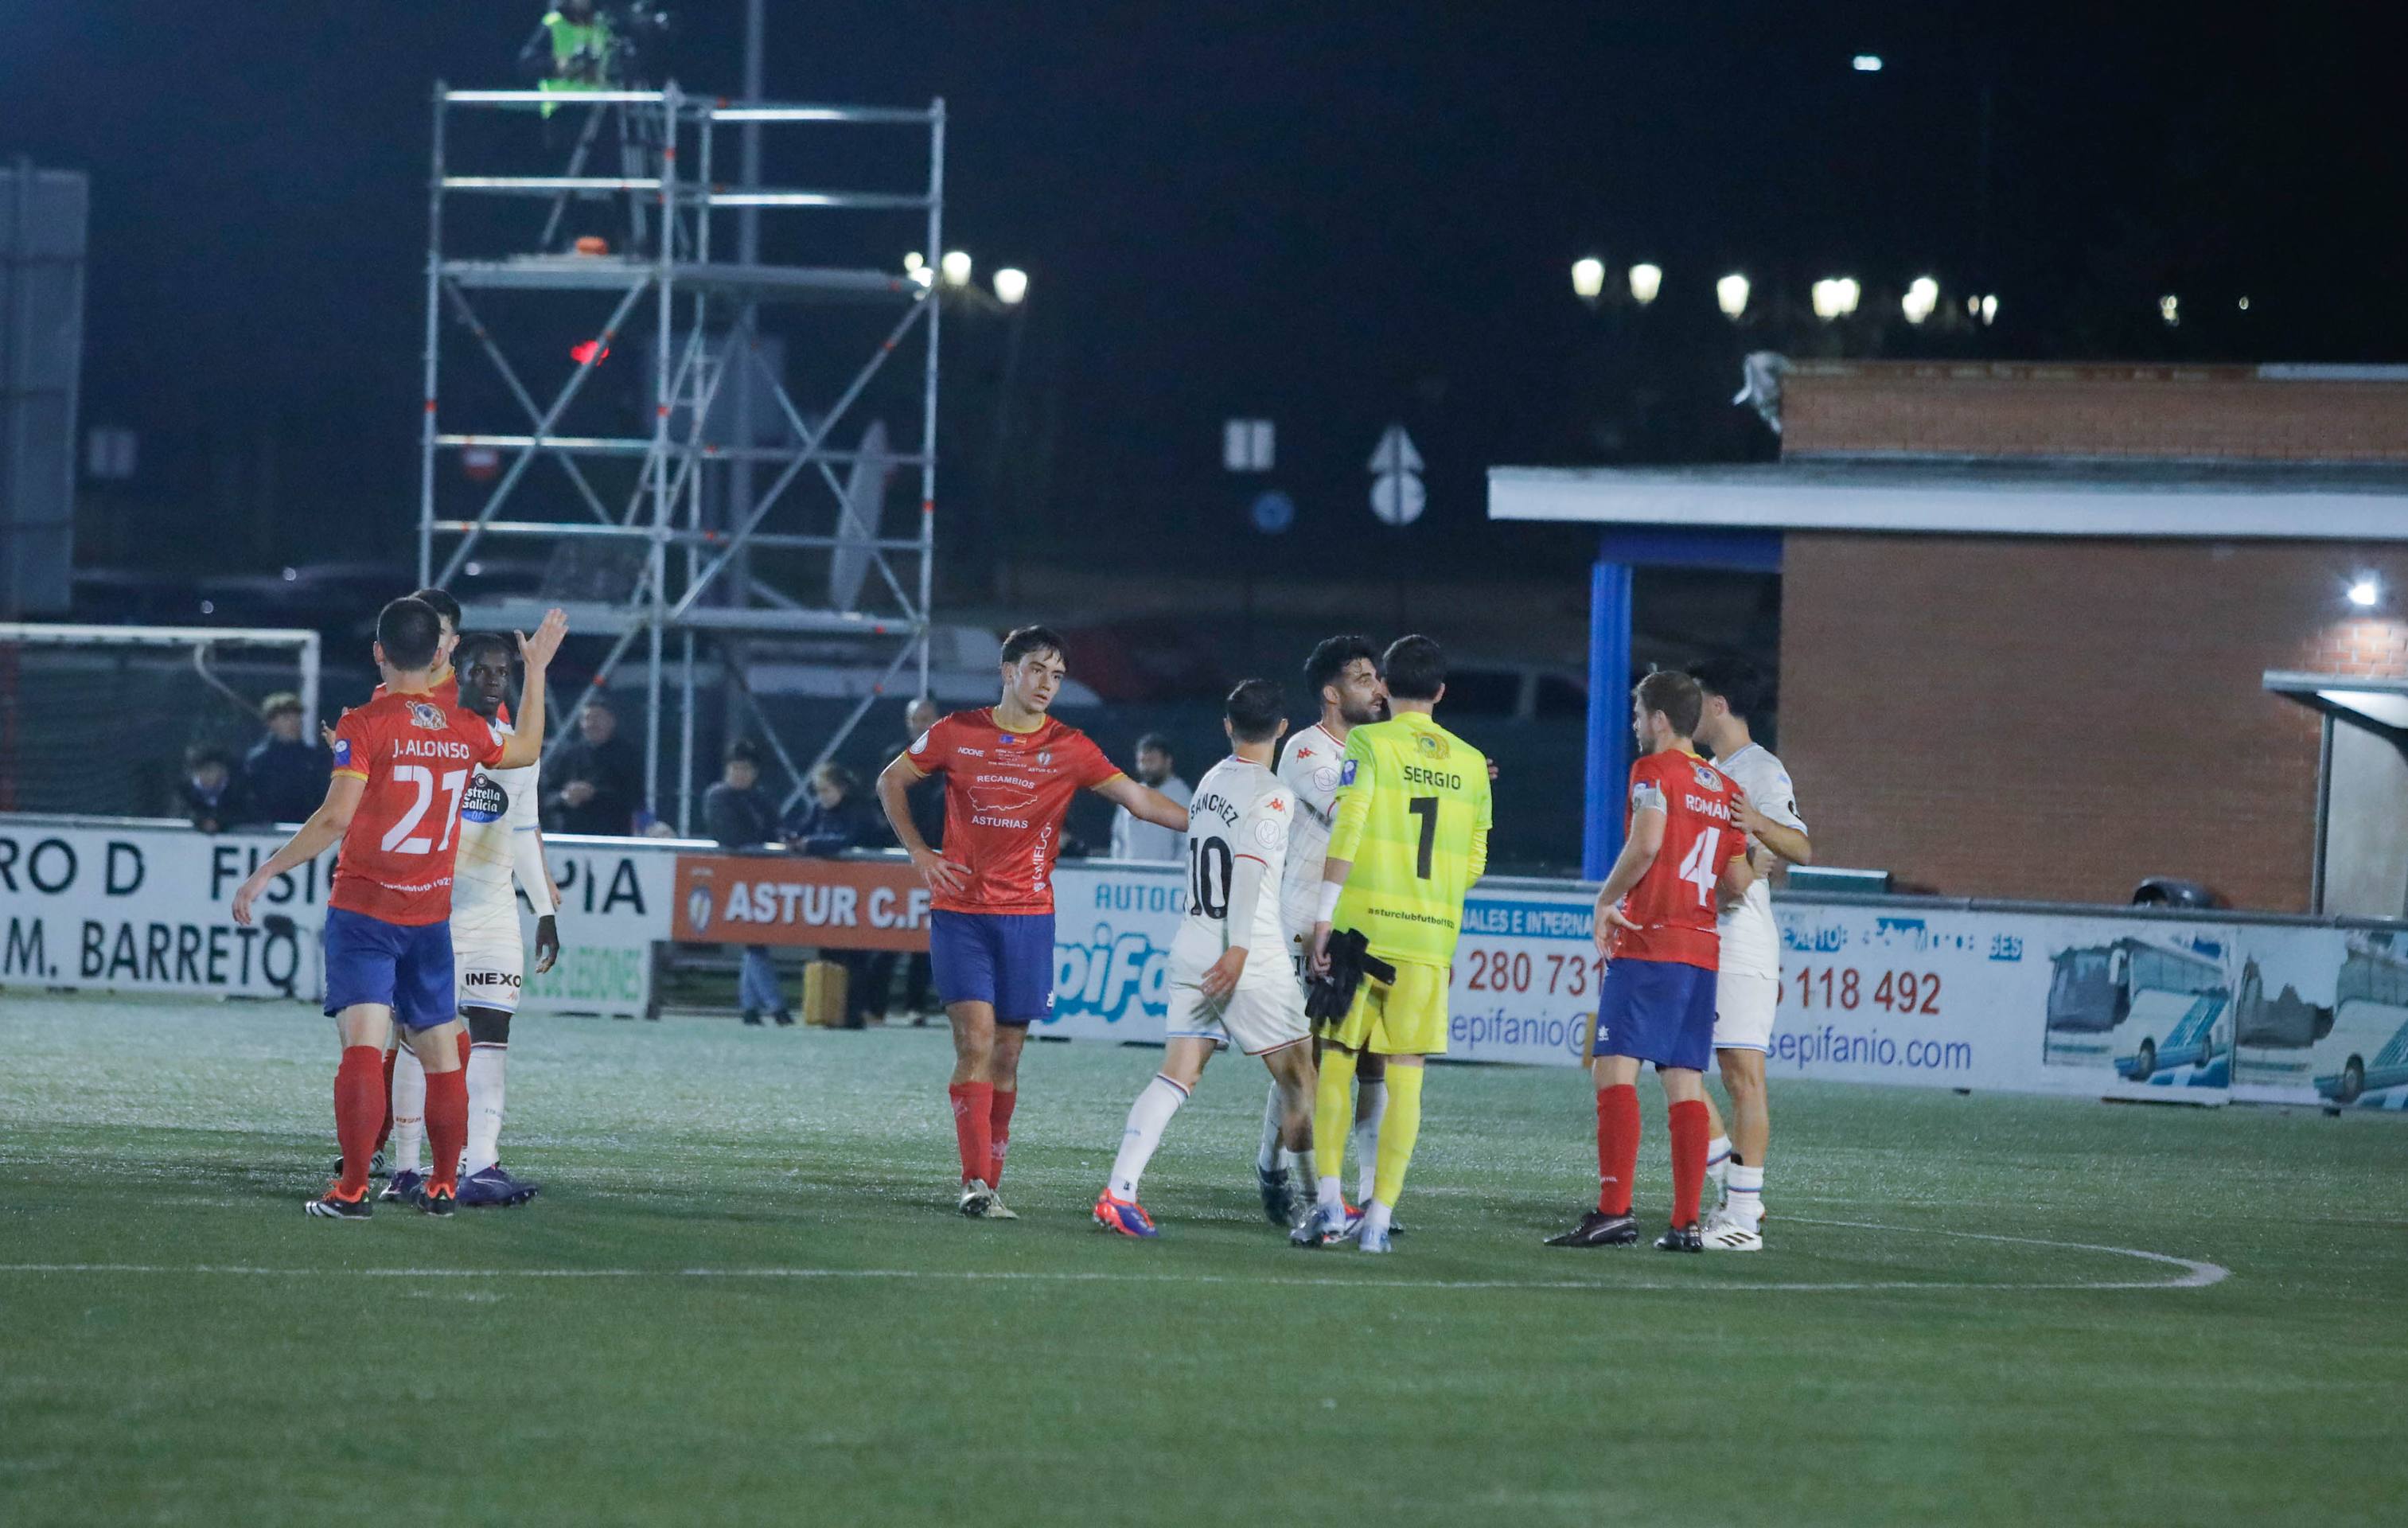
(1412, 817)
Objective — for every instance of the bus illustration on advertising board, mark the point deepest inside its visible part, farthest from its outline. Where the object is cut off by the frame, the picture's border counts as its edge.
(2363, 1055)
(2145, 1011)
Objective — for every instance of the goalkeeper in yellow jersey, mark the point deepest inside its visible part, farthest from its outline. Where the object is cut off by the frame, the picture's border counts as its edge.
(1411, 837)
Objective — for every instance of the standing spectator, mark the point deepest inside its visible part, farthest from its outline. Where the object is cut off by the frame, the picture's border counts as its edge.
(926, 801)
(211, 793)
(1135, 840)
(285, 773)
(836, 815)
(596, 781)
(741, 815)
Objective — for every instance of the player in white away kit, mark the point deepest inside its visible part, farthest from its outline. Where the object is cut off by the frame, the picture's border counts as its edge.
(1343, 677)
(499, 842)
(1230, 981)
(1747, 992)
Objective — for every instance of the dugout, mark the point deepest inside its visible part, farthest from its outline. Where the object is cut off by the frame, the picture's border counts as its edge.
(2047, 630)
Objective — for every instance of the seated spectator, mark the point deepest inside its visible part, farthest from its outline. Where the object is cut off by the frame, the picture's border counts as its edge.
(594, 784)
(740, 814)
(212, 795)
(285, 775)
(837, 815)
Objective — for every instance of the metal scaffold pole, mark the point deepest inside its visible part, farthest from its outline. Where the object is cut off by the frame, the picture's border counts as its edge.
(547, 477)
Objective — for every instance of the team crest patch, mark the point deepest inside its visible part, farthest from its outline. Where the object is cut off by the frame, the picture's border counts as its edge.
(427, 715)
(1430, 745)
(1707, 778)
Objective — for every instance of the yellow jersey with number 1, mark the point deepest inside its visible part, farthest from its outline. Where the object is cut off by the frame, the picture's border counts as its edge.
(1413, 816)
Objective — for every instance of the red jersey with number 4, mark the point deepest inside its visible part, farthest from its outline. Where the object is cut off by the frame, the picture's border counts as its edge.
(1005, 796)
(416, 755)
(1673, 904)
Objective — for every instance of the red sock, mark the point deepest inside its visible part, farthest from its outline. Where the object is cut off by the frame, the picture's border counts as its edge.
(384, 1116)
(446, 1125)
(999, 1132)
(361, 1105)
(1617, 1147)
(1689, 1133)
(973, 1127)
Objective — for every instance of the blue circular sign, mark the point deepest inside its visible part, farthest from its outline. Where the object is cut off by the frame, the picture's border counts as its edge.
(1273, 512)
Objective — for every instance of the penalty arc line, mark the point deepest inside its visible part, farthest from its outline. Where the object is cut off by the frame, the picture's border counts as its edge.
(2196, 1274)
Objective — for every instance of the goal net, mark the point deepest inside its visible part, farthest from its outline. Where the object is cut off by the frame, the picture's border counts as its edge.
(96, 719)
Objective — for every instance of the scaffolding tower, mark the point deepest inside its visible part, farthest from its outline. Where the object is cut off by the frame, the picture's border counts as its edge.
(690, 564)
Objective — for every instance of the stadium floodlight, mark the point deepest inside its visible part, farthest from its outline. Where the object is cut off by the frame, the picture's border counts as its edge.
(1922, 299)
(1588, 278)
(2366, 592)
(1730, 295)
(2170, 309)
(1866, 64)
(955, 268)
(1011, 285)
(913, 262)
(1645, 281)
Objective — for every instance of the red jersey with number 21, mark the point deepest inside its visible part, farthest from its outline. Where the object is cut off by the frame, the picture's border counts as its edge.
(416, 755)
(1005, 796)
(1673, 904)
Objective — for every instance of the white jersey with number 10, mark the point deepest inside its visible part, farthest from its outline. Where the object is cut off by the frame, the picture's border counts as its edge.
(1240, 810)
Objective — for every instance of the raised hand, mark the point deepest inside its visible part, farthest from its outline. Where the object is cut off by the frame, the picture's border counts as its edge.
(537, 651)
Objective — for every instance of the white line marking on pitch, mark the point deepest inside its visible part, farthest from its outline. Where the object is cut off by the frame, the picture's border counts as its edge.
(2195, 1275)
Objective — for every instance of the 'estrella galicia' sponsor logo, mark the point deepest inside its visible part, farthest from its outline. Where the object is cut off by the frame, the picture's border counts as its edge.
(486, 800)
(427, 715)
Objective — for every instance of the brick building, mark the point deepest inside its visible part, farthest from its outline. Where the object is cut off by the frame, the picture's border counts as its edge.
(2048, 630)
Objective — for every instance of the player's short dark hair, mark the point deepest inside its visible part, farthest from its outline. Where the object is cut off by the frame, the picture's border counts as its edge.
(742, 751)
(409, 631)
(1255, 709)
(1022, 640)
(1415, 668)
(1677, 696)
(444, 605)
(476, 644)
(1329, 660)
(1156, 742)
(1740, 684)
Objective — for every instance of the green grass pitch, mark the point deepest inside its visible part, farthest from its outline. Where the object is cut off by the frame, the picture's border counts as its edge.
(743, 1297)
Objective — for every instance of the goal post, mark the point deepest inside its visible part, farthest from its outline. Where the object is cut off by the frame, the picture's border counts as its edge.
(94, 719)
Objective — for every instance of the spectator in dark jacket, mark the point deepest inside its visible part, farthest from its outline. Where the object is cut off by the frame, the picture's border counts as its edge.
(211, 793)
(284, 774)
(593, 784)
(741, 815)
(837, 814)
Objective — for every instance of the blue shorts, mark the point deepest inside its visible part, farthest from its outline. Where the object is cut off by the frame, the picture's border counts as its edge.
(406, 966)
(1659, 1011)
(1003, 959)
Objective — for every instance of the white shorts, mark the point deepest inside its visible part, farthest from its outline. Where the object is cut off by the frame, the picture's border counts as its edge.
(1260, 1015)
(488, 960)
(1744, 1006)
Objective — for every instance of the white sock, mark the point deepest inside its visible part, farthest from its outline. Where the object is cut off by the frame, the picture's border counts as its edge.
(409, 1111)
(1375, 1218)
(1747, 1192)
(1370, 1103)
(1148, 1118)
(1718, 1152)
(1270, 1157)
(485, 1063)
(1332, 1194)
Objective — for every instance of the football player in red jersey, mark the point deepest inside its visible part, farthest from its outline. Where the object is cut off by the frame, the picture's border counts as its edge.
(1684, 855)
(1011, 774)
(401, 765)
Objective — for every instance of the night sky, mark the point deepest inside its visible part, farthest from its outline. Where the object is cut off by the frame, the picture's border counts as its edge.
(1331, 215)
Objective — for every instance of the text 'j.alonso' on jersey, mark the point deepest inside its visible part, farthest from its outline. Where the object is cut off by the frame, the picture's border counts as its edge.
(1750, 938)
(1005, 796)
(1308, 769)
(500, 806)
(1241, 826)
(416, 755)
(1674, 903)
(1412, 817)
